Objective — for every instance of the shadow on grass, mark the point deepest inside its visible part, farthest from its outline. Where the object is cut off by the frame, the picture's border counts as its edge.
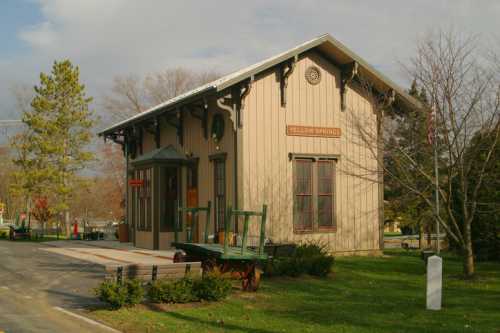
(216, 324)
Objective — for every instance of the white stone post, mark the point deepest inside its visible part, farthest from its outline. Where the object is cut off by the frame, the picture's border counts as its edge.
(434, 282)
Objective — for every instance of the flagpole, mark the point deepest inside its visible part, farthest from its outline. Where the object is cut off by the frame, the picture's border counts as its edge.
(436, 171)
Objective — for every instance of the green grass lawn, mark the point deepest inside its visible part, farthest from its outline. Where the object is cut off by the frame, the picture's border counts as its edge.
(46, 238)
(362, 295)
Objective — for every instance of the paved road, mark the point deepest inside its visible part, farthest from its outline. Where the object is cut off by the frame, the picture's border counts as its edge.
(33, 282)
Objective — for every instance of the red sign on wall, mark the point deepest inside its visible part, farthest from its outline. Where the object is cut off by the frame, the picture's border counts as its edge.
(136, 182)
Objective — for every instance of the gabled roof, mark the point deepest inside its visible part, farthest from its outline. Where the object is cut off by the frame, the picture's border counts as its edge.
(165, 154)
(326, 44)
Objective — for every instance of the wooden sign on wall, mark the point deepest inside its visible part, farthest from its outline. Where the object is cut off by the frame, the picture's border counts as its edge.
(322, 132)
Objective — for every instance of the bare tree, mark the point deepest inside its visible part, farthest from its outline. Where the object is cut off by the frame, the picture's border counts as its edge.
(464, 95)
(131, 94)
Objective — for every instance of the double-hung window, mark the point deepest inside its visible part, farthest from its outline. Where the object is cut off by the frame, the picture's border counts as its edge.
(314, 194)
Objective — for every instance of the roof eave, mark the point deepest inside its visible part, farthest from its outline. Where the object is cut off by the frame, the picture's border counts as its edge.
(151, 113)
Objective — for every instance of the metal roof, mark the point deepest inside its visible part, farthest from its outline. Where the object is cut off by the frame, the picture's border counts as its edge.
(326, 44)
(165, 154)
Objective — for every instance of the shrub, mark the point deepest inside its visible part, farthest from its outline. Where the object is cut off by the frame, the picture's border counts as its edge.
(320, 265)
(308, 258)
(112, 293)
(167, 291)
(4, 234)
(212, 287)
(291, 266)
(135, 291)
(117, 295)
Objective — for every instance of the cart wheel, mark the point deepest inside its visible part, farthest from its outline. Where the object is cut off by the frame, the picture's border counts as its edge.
(208, 265)
(179, 256)
(255, 279)
(251, 281)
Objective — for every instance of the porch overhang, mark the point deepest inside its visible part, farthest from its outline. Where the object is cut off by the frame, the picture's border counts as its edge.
(165, 155)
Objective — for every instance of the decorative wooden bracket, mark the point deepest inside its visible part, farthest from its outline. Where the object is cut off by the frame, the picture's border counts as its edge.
(225, 103)
(115, 139)
(388, 98)
(157, 132)
(202, 115)
(285, 70)
(131, 139)
(177, 121)
(348, 73)
(243, 93)
(234, 102)
(140, 138)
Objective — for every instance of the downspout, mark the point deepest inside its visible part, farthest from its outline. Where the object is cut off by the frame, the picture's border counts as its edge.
(235, 173)
(234, 118)
(237, 96)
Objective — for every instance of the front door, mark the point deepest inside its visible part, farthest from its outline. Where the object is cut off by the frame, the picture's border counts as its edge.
(169, 200)
(171, 197)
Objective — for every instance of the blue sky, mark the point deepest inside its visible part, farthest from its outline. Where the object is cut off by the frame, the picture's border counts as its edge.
(107, 38)
(14, 16)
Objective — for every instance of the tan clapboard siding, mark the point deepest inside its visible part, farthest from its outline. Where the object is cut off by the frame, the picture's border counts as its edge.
(267, 171)
(195, 144)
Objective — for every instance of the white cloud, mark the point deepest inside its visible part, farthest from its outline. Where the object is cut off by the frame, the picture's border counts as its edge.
(111, 37)
(39, 36)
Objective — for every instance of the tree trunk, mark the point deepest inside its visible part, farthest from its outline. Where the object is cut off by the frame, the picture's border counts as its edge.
(420, 235)
(429, 233)
(67, 224)
(468, 253)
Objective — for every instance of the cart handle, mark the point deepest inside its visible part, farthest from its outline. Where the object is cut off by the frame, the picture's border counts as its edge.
(247, 214)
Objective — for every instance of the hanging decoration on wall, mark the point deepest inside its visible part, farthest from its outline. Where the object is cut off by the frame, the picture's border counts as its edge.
(217, 131)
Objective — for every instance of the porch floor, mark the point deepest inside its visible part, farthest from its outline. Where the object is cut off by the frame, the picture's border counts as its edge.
(109, 252)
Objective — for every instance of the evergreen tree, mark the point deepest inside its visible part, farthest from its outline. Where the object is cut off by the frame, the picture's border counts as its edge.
(411, 132)
(54, 147)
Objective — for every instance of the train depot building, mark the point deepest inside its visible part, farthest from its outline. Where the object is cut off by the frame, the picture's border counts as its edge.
(284, 132)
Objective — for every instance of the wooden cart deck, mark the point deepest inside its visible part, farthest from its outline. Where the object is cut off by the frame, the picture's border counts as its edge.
(217, 251)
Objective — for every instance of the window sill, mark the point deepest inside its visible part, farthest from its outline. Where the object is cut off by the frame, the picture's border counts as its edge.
(318, 231)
